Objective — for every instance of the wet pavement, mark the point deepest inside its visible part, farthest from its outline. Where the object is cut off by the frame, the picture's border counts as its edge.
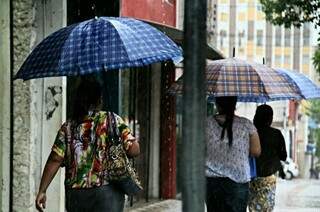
(298, 195)
(171, 205)
(295, 195)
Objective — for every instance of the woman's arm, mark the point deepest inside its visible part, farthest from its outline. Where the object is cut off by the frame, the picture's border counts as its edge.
(282, 152)
(52, 166)
(255, 148)
(130, 143)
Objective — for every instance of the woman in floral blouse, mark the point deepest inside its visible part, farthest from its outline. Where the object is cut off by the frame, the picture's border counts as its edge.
(81, 147)
(230, 141)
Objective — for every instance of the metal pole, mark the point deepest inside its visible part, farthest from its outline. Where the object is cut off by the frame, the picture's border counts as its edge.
(194, 107)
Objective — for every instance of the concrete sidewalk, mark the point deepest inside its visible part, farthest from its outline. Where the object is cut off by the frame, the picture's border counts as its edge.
(170, 205)
(298, 195)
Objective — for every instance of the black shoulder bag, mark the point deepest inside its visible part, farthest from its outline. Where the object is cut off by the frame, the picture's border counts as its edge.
(120, 170)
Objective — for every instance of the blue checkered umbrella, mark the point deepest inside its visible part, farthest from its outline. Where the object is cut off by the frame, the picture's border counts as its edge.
(307, 89)
(98, 44)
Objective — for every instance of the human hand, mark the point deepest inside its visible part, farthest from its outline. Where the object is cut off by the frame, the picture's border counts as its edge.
(127, 145)
(133, 148)
(41, 201)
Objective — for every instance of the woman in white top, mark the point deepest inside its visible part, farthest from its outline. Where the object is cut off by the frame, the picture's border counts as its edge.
(230, 141)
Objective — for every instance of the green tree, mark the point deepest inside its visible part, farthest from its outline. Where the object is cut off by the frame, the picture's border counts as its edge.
(316, 58)
(294, 12)
(314, 113)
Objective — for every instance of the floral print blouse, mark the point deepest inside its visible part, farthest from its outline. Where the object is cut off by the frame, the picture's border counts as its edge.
(223, 160)
(84, 149)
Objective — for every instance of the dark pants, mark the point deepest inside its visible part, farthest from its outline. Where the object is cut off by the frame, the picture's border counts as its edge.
(225, 195)
(101, 199)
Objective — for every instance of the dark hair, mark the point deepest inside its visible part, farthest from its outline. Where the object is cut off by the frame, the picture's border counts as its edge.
(88, 94)
(263, 116)
(226, 106)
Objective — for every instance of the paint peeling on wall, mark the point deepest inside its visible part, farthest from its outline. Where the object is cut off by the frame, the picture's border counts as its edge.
(52, 100)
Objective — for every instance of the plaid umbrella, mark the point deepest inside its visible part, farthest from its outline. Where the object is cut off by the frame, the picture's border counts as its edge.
(307, 89)
(98, 44)
(250, 82)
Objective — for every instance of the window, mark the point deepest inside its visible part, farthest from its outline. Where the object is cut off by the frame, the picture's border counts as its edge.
(223, 35)
(259, 37)
(223, 1)
(278, 59)
(287, 37)
(241, 35)
(287, 59)
(259, 7)
(223, 16)
(250, 30)
(306, 34)
(305, 59)
(278, 36)
(242, 16)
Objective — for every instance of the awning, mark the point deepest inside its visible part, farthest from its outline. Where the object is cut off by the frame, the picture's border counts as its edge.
(177, 36)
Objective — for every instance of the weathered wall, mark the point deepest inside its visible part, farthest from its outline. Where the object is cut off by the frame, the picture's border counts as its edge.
(4, 104)
(34, 129)
(22, 159)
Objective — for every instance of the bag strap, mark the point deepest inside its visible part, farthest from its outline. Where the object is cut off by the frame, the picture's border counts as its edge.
(113, 129)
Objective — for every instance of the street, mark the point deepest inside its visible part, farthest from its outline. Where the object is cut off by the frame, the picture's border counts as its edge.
(297, 195)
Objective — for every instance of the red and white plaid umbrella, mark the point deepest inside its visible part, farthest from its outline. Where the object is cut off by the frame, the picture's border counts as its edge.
(250, 82)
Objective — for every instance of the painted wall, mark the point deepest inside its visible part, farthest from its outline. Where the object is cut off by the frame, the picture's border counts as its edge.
(163, 11)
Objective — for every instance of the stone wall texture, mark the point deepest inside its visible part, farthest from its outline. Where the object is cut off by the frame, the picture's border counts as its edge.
(23, 198)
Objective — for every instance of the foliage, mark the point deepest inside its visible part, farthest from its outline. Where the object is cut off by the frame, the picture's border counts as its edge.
(315, 136)
(316, 58)
(291, 12)
(294, 12)
(314, 112)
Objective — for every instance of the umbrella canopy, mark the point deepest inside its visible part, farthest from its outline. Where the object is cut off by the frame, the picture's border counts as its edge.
(250, 82)
(307, 89)
(98, 44)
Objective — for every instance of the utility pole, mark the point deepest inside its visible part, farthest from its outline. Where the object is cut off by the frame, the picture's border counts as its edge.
(194, 106)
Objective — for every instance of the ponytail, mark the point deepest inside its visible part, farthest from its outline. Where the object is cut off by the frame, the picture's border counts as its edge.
(226, 105)
(228, 125)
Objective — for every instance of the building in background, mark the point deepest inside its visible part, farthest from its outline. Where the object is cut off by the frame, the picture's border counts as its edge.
(241, 24)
